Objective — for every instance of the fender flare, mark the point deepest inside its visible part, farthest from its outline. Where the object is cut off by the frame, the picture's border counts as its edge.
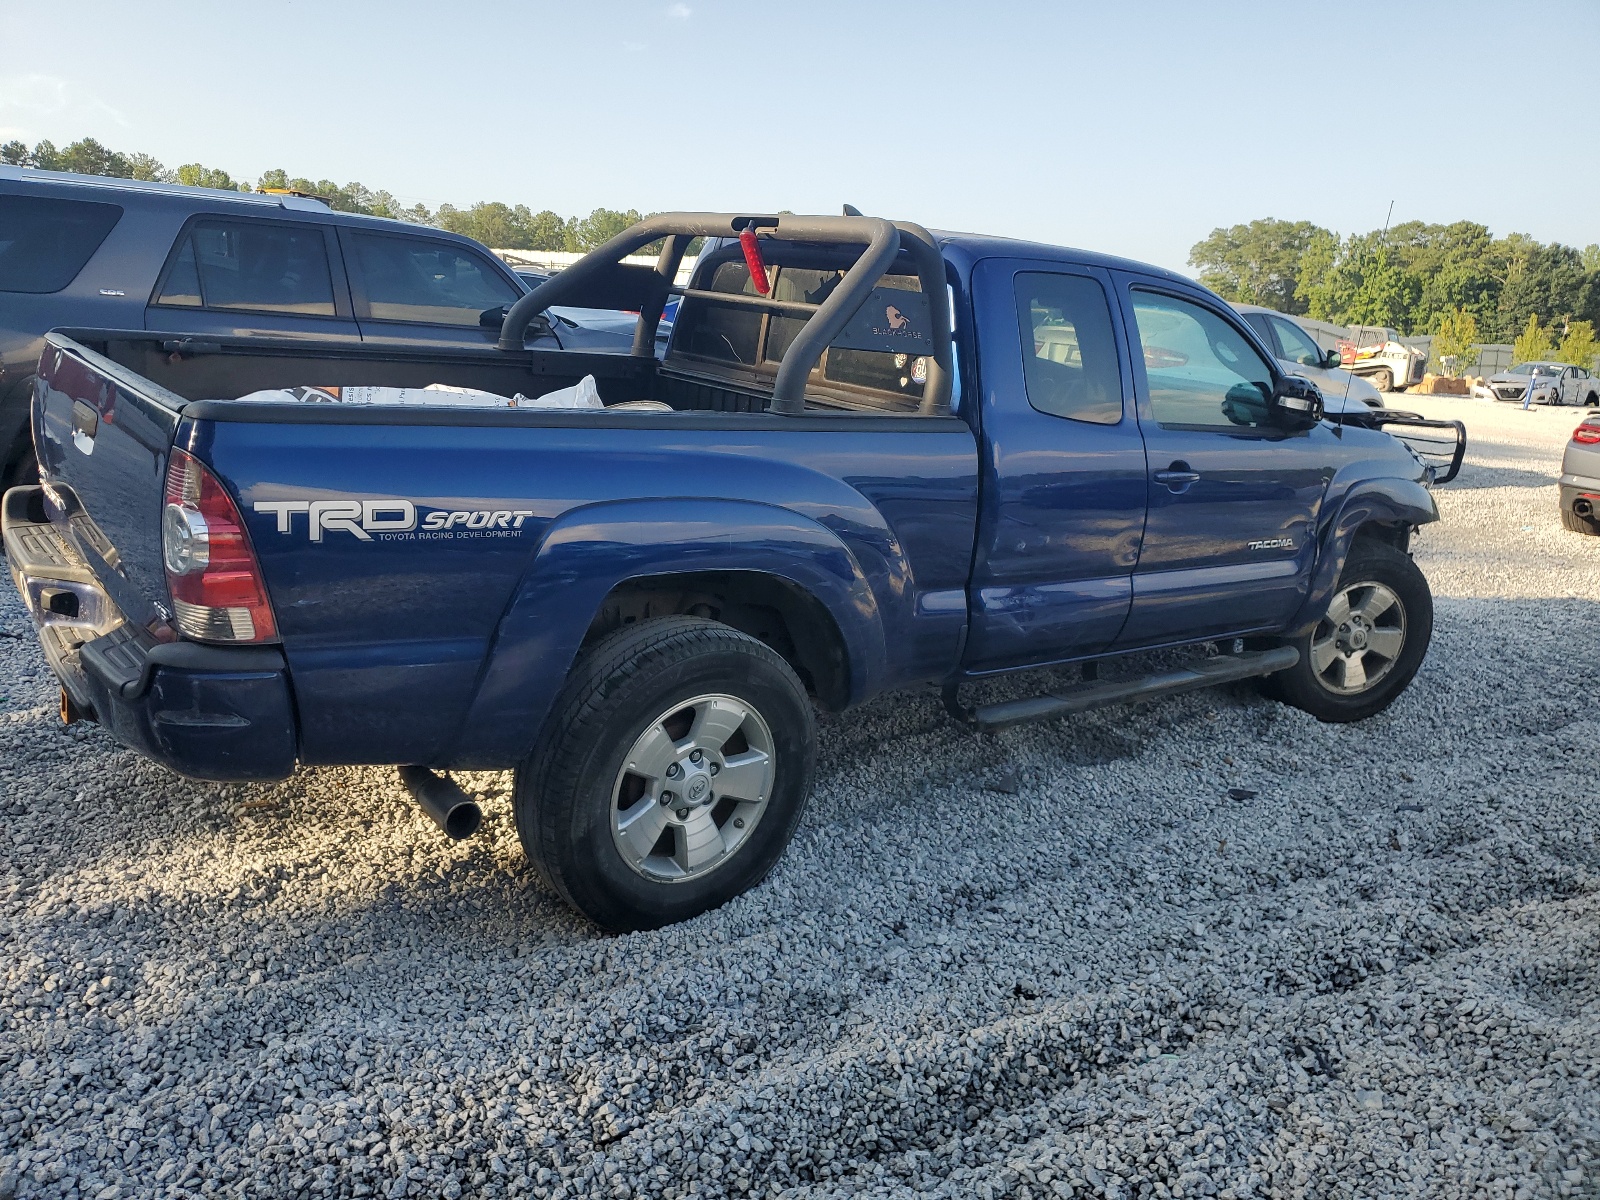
(1386, 500)
(586, 552)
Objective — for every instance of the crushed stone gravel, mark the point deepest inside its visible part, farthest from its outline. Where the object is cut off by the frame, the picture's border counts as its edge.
(1206, 947)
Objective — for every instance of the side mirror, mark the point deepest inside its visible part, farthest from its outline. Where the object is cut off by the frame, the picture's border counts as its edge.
(1332, 359)
(492, 319)
(1296, 403)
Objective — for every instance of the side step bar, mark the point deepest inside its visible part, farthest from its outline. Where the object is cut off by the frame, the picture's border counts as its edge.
(1224, 668)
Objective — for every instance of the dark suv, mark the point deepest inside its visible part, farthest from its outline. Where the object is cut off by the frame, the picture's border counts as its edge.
(84, 251)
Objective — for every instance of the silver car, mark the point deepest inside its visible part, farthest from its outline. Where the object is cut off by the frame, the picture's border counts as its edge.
(1580, 478)
(1300, 355)
(1552, 383)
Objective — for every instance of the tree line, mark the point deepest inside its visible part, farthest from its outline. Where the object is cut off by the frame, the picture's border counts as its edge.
(502, 226)
(1455, 280)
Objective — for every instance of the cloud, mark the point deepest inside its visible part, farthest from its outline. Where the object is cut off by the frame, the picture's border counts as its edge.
(679, 12)
(27, 99)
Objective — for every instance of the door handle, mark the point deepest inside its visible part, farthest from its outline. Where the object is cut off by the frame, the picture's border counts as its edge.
(1178, 477)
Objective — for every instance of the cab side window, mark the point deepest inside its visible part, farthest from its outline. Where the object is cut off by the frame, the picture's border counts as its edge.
(1069, 354)
(1200, 370)
(1297, 347)
(251, 266)
(426, 281)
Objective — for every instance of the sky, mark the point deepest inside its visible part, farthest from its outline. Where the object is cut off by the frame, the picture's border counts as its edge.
(1129, 128)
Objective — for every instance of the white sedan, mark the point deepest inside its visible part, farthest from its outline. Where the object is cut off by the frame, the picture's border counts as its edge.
(1300, 355)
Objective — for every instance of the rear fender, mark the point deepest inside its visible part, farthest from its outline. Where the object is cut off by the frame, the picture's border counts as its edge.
(587, 552)
(1391, 501)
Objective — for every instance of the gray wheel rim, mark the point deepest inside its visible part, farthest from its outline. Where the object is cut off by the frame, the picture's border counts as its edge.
(692, 788)
(1358, 643)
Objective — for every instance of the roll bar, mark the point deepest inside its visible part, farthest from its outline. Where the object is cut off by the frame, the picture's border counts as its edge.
(602, 270)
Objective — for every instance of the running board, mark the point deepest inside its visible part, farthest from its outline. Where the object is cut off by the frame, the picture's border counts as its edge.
(1224, 668)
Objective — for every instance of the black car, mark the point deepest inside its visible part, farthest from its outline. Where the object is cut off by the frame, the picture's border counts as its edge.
(85, 251)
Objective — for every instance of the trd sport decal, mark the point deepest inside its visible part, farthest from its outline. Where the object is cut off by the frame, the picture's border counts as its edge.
(393, 520)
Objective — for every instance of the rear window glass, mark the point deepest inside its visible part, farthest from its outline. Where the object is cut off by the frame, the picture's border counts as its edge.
(1069, 354)
(418, 279)
(894, 314)
(45, 242)
(252, 266)
(726, 332)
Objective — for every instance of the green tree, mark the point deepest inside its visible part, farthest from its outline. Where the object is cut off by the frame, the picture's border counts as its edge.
(494, 224)
(14, 154)
(1258, 263)
(195, 175)
(43, 156)
(1367, 285)
(603, 224)
(1533, 344)
(1590, 257)
(148, 168)
(551, 231)
(1321, 252)
(88, 157)
(1455, 342)
(1579, 347)
(1540, 280)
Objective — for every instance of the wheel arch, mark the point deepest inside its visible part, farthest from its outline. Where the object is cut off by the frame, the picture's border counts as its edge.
(770, 608)
(1383, 510)
(600, 565)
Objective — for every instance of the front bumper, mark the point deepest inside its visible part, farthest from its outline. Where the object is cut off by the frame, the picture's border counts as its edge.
(209, 712)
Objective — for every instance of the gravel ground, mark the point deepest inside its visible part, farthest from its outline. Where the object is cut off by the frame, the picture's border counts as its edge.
(1061, 961)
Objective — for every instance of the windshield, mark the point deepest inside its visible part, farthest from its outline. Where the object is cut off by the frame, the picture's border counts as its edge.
(1533, 369)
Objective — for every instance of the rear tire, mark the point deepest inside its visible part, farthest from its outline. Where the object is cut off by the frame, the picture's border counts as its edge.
(1382, 380)
(1571, 520)
(1364, 652)
(611, 810)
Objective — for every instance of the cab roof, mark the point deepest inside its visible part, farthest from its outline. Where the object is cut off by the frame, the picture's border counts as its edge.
(975, 246)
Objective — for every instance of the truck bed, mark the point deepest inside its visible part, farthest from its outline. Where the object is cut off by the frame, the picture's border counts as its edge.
(540, 515)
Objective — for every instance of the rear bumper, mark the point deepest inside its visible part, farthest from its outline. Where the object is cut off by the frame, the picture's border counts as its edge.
(209, 712)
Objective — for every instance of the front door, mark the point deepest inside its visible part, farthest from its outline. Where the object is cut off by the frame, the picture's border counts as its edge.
(1233, 500)
(413, 288)
(1063, 469)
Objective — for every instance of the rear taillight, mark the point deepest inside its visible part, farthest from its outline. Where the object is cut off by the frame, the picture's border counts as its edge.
(1586, 434)
(218, 594)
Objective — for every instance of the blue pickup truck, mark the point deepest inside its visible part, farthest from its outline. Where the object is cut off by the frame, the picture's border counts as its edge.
(870, 458)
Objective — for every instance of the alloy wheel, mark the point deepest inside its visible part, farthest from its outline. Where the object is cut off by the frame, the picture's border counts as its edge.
(692, 788)
(1359, 641)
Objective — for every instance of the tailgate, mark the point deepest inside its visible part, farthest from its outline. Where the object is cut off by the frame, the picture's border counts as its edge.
(103, 435)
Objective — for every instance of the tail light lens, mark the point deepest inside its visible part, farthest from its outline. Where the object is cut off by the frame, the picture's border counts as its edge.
(1586, 434)
(218, 594)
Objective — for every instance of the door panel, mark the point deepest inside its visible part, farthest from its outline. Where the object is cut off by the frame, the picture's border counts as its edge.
(254, 278)
(1233, 501)
(1063, 474)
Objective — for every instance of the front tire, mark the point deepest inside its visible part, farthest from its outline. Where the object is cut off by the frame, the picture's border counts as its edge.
(678, 762)
(1383, 380)
(1367, 647)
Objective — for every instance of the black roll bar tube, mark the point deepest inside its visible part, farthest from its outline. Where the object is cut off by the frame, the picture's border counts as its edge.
(667, 263)
(919, 243)
(883, 241)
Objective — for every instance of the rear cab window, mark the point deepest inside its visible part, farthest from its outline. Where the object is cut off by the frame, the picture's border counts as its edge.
(45, 242)
(878, 362)
(1069, 352)
(250, 266)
